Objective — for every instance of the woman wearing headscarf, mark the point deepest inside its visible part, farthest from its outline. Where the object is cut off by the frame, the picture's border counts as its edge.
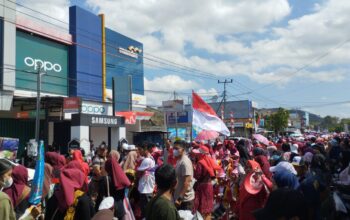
(315, 186)
(19, 190)
(253, 192)
(114, 184)
(6, 207)
(243, 153)
(69, 201)
(259, 156)
(130, 161)
(203, 173)
(57, 161)
(286, 180)
(77, 156)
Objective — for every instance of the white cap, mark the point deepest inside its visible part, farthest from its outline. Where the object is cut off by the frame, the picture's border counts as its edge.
(146, 164)
(128, 146)
(131, 147)
(125, 146)
(106, 203)
(296, 160)
(283, 166)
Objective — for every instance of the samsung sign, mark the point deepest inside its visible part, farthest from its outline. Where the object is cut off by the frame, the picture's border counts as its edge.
(97, 121)
(46, 65)
(103, 121)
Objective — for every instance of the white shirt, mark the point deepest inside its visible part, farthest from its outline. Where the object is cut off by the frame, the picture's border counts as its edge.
(147, 183)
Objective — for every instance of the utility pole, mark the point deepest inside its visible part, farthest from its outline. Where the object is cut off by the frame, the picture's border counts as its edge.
(38, 90)
(175, 114)
(224, 98)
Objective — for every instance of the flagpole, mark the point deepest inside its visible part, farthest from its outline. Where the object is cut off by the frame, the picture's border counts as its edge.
(191, 132)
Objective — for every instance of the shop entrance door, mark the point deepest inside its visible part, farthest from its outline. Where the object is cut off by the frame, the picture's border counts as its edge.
(62, 135)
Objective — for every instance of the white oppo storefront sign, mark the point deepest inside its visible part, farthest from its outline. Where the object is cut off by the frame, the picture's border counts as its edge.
(46, 65)
(93, 108)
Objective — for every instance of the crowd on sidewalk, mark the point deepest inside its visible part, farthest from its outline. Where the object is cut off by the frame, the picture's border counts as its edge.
(230, 179)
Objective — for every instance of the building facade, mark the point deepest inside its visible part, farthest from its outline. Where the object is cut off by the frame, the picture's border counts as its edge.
(79, 65)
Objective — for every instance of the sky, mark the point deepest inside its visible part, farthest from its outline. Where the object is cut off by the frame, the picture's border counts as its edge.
(279, 53)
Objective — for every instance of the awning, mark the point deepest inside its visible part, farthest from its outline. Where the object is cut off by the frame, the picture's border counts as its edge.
(132, 116)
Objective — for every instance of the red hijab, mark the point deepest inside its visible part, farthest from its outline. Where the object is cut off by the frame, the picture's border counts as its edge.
(71, 179)
(265, 165)
(77, 156)
(56, 160)
(20, 180)
(114, 170)
(207, 162)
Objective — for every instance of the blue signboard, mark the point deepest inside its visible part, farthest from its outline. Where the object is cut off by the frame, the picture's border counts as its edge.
(181, 133)
(182, 117)
(124, 56)
(171, 133)
(122, 93)
(85, 58)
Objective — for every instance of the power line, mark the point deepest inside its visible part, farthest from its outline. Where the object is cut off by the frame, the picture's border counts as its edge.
(193, 70)
(185, 68)
(322, 56)
(87, 82)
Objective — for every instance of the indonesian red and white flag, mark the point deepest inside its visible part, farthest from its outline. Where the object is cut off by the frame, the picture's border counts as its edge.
(205, 117)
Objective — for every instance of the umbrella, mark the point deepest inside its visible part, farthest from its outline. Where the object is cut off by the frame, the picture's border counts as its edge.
(310, 136)
(261, 139)
(207, 135)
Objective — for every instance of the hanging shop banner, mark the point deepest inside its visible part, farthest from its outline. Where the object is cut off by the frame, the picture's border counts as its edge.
(71, 104)
(181, 133)
(30, 114)
(33, 51)
(97, 120)
(131, 117)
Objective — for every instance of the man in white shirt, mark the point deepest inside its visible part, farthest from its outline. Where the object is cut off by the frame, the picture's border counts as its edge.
(147, 180)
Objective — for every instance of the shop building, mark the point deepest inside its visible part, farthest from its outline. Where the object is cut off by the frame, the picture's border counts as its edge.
(77, 83)
(238, 117)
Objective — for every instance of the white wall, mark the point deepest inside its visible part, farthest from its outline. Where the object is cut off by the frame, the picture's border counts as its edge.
(99, 134)
(117, 134)
(8, 12)
(81, 133)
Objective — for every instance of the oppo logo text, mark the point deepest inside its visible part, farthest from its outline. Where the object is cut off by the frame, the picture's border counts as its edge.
(46, 65)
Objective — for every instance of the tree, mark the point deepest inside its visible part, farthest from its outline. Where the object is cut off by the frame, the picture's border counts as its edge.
(279, 121)
(329, 123)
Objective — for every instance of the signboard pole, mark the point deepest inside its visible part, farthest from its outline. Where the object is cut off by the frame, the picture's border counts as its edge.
(176, 123)
(130, 92)
(37, 120)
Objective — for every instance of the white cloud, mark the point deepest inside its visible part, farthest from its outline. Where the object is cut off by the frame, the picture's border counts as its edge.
(213, 25)
(168, 83)
(251, 37)
(57, 9)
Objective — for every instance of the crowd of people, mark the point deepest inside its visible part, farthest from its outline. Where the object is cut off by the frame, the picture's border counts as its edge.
(231, 179)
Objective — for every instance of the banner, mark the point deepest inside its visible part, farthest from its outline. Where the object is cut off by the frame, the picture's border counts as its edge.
(37, 184)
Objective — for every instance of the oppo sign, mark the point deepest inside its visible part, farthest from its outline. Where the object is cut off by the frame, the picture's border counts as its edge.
(46, 65)
(93, 109)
